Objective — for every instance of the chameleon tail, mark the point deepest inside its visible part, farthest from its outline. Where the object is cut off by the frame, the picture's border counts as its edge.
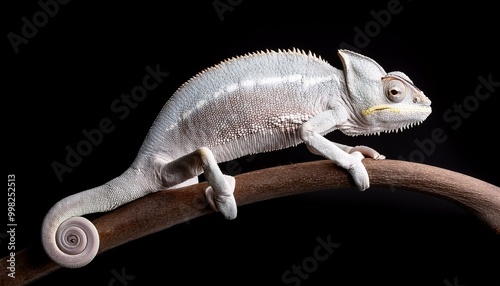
(73, 241)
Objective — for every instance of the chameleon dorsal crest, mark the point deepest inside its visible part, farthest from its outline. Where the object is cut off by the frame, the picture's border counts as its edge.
(255, 103)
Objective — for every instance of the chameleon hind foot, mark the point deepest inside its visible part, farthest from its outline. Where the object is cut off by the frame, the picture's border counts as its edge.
(223, 200)
(182, 171)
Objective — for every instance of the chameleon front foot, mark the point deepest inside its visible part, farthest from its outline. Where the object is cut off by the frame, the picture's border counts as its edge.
(367, 152)
(358, 171)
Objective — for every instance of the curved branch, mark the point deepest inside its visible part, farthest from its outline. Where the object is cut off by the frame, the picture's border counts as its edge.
(162, 210)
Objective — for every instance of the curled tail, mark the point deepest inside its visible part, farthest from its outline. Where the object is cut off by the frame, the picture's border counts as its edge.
(73, 241)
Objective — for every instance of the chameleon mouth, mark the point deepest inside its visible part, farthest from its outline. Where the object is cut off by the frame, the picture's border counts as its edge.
(381, 122)
(377, 121)
(371, 110)
(388, 108)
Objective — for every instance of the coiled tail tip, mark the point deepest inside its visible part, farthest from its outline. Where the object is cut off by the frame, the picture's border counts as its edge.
(74, 244)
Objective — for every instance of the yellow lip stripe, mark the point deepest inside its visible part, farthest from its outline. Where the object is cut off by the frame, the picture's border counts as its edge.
(371, 110)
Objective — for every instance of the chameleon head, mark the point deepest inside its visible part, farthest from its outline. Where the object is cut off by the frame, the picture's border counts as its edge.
(380, 101)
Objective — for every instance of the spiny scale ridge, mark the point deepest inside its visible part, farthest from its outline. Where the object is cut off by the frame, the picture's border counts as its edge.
(253, 54)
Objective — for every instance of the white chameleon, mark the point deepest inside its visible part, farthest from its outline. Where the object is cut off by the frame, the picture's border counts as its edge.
(250, 104)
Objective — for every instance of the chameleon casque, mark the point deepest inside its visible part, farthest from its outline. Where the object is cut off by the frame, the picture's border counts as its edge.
(250, 104)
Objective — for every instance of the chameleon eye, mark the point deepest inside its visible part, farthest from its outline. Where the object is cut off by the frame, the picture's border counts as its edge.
(395, 90)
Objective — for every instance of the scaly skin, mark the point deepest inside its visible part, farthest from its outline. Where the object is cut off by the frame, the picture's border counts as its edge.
(250, 104)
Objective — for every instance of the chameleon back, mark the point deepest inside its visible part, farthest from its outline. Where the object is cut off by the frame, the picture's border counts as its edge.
(281, 89)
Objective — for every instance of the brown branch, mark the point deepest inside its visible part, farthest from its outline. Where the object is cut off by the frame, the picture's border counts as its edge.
(162, 210)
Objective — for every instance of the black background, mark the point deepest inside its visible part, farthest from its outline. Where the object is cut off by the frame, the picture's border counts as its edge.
(83, 58)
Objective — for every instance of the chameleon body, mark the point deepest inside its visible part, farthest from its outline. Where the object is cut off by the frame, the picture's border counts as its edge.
(250, 104)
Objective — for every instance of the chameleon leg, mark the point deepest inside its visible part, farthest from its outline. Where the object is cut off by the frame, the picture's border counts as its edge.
(343, 156)
(220, 192)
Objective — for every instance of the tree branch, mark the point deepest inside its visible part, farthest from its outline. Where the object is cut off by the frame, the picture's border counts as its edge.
(162, 210)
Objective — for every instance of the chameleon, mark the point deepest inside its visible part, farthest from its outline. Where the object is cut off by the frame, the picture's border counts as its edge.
(254, 103)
